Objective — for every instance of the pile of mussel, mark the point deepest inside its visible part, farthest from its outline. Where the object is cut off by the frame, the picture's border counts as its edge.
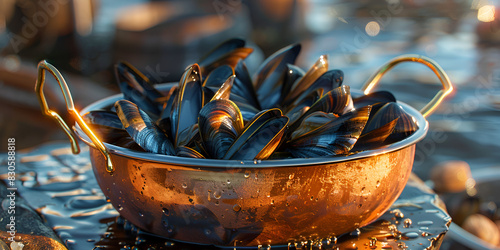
(218, 111)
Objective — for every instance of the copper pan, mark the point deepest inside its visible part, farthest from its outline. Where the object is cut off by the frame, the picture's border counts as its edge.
(247, 203)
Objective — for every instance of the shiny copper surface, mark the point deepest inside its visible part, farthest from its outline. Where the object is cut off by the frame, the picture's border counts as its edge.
(253, 206)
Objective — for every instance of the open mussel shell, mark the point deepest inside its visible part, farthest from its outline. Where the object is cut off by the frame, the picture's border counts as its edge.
(142, 129)
(373, 98)
(136, 88)
(188, 102)
(404, 127)
(270, 75)
(301, 86)
(243, 85)
(220, 122)
(260, 137)
(336, 137)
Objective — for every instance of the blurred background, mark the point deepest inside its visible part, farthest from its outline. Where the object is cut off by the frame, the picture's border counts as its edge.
(84, 38)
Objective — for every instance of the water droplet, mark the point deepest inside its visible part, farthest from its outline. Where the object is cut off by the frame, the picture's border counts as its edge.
(242, 163)
(184, 185)
(397, 213)
(425, 234)
(255, 161)
(207, 232)
(228, 182)
(411, 235)
(272, 202)
(312, 197)
(291, 176)
(425, 223)
(166, 212)
(378, 184)
(247, 175)
(164, 222)
(363, 189)
(356, 232)
(217, 195)
(407, 222)
(373, 242)
(237, 208)
(120, 208)
(141, 214)
(169, 244)
(216, 203)
(360, 205)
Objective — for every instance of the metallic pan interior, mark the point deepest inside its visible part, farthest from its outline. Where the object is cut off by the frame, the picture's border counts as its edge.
(247, 203)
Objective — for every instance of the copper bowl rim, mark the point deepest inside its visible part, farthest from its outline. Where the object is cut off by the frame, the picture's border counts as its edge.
(422, 123)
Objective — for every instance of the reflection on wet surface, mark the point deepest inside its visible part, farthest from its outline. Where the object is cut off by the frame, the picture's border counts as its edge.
(62, 188)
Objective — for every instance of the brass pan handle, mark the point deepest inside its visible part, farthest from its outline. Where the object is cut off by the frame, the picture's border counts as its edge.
(45, 66)
(443, 77)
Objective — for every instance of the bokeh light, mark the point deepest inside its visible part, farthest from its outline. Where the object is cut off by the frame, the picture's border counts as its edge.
(486, 13)
(372, 28)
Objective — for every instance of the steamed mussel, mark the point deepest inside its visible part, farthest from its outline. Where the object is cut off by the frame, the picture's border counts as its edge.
(219, 111)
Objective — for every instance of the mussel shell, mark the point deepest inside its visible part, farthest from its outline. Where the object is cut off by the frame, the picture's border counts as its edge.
(304, 104)
(164, 122)
(184, 151)
(104, 118)
(303, 86)
(243, 85)
(312, 122)
(247, 111)
(229, 53)
(270, 75)
(292, 74)
(186, 136)
(137, 88)
(373, 98)
(221, 50)
(220, 122)
(260, 141)
(142, 129)
(188, 103)
(329, 81)
(337, 101)
(218, 76)
(250, 129)
(375, 138)
(224, 92)
(404, 127)
(336, 137)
